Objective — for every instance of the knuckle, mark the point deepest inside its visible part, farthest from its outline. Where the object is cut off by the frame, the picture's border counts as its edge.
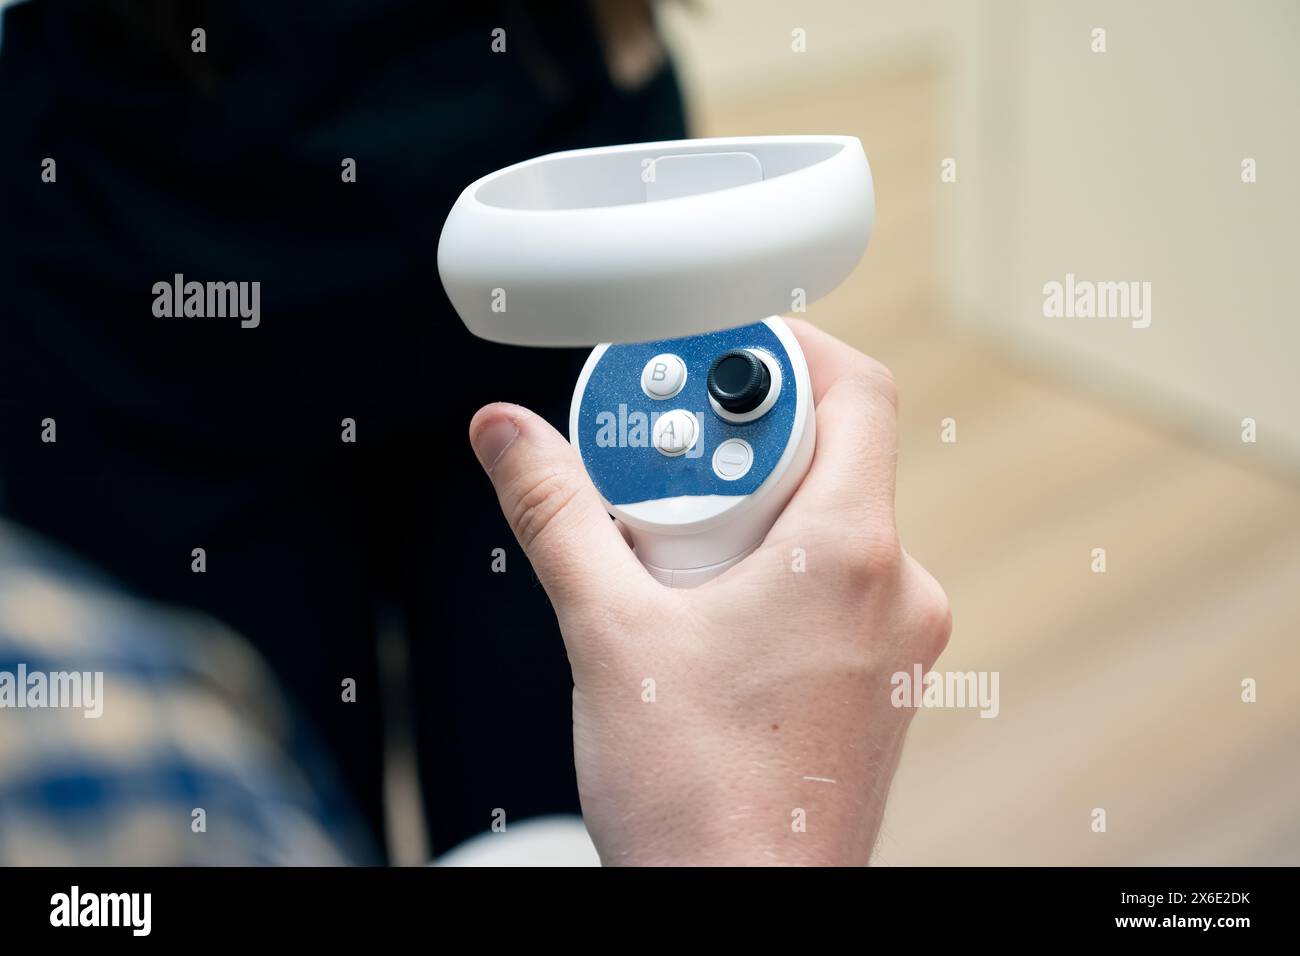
(873, 558)
(872, 385)
(879, 380)
(539, 503)
(880, 553)
(935, 616)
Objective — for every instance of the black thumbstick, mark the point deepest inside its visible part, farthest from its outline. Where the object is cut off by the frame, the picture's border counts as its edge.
(739, 381)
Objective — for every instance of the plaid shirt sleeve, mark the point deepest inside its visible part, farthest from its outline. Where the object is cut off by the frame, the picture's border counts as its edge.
(194, 756)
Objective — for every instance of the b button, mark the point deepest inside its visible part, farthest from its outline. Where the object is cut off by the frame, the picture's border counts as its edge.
(663, 376)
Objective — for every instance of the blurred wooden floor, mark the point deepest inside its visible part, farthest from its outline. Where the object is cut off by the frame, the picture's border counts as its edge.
(1119, 690)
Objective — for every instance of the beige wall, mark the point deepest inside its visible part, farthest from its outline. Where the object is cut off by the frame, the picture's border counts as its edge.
(1117, 166)
(1126, 165)
(730, 48)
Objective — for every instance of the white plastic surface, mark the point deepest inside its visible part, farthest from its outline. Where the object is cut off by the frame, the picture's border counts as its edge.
(590, 246)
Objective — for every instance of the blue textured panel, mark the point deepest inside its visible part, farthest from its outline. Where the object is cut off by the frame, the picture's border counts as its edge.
(625, 474)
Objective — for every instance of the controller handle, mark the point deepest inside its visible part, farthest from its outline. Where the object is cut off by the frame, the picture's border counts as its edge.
(685, 541)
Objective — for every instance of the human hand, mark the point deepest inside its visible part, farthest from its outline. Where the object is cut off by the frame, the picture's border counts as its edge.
(747, 721)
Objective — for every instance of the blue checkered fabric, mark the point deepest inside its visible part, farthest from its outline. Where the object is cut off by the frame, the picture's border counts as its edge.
(191, 721)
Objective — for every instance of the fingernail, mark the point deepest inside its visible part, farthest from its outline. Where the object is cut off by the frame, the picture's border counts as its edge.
(492, 441)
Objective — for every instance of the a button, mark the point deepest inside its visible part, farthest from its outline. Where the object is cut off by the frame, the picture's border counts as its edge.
(675, 432)
(733, 459)
(663, 376)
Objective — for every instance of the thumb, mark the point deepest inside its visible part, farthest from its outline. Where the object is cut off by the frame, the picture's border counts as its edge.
(552, 507)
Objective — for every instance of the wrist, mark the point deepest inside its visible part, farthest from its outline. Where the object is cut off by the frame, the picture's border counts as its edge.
(791, 831)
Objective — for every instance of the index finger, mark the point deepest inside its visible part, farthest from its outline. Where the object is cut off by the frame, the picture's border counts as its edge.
(854, 464)
(830, 360)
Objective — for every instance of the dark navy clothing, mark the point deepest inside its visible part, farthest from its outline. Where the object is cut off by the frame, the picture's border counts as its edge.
(180, 433)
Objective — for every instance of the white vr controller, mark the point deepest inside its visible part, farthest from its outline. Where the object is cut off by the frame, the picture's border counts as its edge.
(695, 418)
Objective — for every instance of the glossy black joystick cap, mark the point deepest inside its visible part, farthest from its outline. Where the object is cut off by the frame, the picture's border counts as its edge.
(739, 381)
